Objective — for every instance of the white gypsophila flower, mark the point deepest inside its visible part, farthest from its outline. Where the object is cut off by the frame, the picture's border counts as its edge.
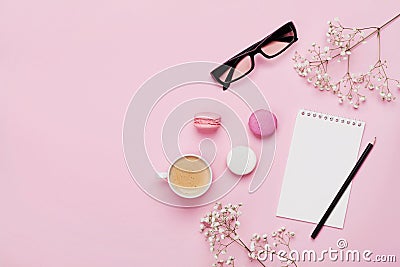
(341, 40)
(264, 236)
(222, 223)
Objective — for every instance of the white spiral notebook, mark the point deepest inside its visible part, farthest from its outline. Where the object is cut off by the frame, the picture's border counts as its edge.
(323, 151)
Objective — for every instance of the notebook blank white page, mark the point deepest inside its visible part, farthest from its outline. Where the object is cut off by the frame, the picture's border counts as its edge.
(323, 152)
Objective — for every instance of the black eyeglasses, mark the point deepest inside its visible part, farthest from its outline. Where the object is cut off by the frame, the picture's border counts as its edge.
(243, 63)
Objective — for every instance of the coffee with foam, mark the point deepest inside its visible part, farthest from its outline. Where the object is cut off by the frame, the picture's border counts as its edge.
(190, 175)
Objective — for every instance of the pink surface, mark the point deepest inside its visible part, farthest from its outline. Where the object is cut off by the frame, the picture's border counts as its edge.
(68, 71)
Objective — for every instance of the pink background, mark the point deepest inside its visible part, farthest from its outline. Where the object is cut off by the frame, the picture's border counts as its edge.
(68, 70)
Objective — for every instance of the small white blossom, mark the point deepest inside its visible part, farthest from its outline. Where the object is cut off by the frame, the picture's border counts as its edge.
(221, 224)
(264, 236)
(341, 41)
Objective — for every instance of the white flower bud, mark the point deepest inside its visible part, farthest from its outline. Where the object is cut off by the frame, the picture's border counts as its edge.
(264, 236)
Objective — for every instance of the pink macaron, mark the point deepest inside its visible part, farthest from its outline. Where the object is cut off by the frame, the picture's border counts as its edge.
(262, 123)
(207, 121)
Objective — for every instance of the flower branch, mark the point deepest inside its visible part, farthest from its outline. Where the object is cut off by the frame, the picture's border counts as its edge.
(350, 87)
(220, 228)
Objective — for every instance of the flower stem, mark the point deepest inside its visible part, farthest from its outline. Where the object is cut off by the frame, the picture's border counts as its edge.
(348, 65)
(376, 31)
(379, 44)
(244, 245)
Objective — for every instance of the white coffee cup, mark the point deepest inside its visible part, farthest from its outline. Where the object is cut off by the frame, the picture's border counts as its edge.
(187, 187)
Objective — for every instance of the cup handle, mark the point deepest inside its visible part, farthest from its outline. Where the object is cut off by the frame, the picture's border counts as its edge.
(162, 175)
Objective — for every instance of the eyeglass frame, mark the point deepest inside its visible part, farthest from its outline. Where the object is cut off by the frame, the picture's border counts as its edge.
(251, 51)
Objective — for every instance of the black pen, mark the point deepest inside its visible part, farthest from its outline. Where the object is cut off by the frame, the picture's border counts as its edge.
(343, 189)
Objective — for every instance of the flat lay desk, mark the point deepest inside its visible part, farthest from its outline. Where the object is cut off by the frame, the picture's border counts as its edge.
(68, 70)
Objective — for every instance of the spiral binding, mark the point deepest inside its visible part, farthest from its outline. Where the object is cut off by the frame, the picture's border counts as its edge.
(331, 118)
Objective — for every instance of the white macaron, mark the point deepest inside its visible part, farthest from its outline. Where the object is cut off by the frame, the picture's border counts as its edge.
(241, 160)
